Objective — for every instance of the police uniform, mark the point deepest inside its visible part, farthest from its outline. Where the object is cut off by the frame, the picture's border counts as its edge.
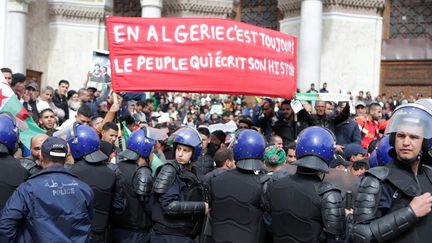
(179, 207)
(90, 166)
(52, 206)
(236, 203)
(12, 174)
(312, 211)
(382, 210)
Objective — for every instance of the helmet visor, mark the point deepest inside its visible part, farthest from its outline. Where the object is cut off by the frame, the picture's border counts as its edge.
(155, 133)
(187, 136)
(411, 119)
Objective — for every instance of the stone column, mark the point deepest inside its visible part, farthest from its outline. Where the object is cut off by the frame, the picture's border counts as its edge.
(3, 24)
(16, 35)
(309, 49)
(151, 8)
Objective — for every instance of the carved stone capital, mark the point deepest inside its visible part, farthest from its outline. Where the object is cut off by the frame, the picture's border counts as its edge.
(365, 7)
(198, 8)
(18, 5)
(78, 12)
(291, 8)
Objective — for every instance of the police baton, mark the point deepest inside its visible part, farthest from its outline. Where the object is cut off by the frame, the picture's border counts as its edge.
(348, 200)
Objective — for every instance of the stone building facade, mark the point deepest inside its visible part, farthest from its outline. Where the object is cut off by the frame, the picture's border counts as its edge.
(53, 39)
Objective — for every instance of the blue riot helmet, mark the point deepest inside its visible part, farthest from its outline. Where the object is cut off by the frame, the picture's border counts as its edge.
(138, 144)
(382, 151)
(84, 143)
(9, 133)
(373, 162)
(190, 137)
(411, 118)
(315, 148)
(428, 104)
(248, 148)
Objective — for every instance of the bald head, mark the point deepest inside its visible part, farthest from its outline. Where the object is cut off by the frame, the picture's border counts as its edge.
(36, 143)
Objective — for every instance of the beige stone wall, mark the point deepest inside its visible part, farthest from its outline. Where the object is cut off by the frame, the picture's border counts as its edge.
(351, 52)
(37, 48)
(351, 41)
(61, 38)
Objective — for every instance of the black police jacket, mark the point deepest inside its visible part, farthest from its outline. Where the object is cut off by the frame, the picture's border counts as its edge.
(107, 196)
(12, 174)
(136, 215)
(237, 207)
(178, 207)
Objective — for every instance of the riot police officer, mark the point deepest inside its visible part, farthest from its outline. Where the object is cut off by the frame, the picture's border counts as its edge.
(90, 166)
(12, 174)
(135, 175)
(303, 208)
(179, 207)
(394, 202)
(236, 195)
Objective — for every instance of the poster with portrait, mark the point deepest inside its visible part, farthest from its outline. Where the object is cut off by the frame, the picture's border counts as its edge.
(100, 70)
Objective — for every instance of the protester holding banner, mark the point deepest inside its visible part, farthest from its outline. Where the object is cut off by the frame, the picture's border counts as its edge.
(289, 124)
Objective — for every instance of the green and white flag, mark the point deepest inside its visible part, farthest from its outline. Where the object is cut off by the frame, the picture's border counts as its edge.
(9, 103)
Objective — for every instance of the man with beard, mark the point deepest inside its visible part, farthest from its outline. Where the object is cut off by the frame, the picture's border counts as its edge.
(33, 164)
(73, 102)
(394, 201)
(47, 120)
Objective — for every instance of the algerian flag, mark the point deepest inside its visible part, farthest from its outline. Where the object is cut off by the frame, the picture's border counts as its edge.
(9, 102)
(126, 132)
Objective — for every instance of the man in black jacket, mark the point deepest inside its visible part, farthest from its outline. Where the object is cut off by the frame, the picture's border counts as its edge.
(394, 202)
(60, 97)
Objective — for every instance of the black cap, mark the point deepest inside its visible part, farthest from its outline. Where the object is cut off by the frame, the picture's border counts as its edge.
(361, 163)
(32, 85)
(220, 135)
(18, 78)
(55, 147)
(70, 93)
(339, 160)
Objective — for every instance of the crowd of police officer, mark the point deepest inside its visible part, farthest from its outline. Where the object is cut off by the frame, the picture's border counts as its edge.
(393, 202)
